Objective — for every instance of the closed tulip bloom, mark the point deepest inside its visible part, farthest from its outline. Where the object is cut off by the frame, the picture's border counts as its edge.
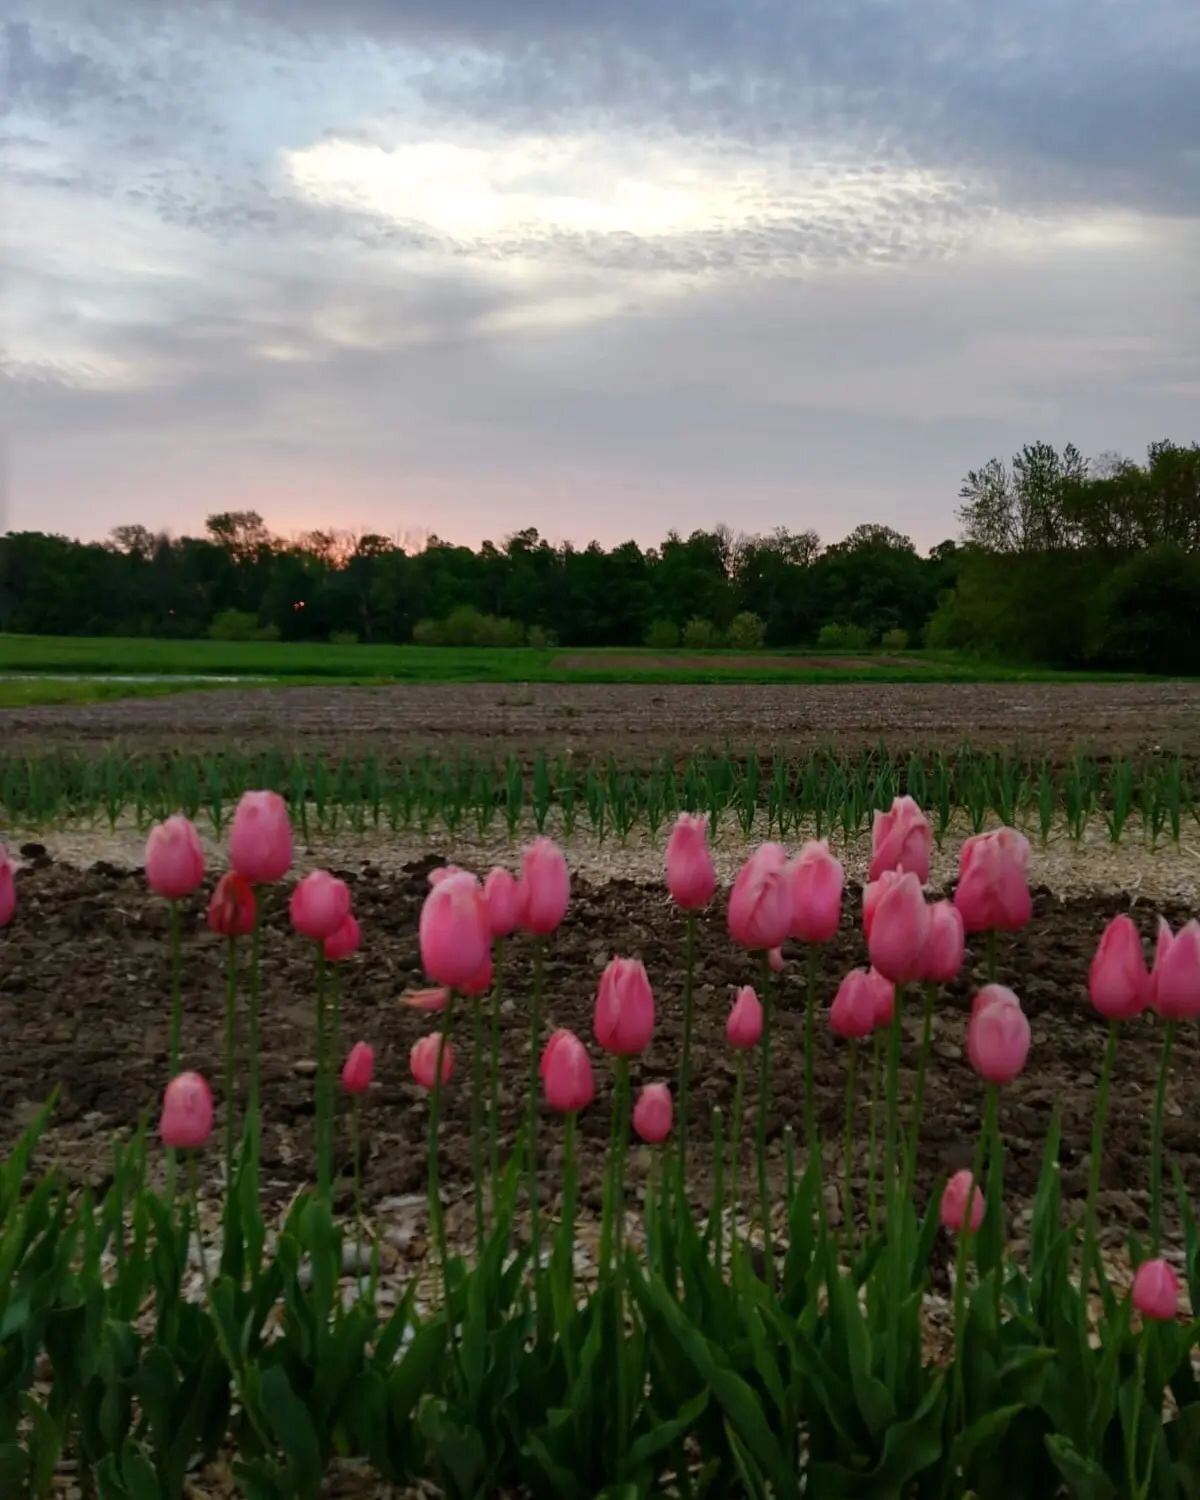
(187, 1112)
(502, 896)
(8, 888)
(424, 1057)
(760, 903)
(455, 936)
(960, 1191)
(231, 907)
(745, 1023)
(566, 1072)
(993, 882)
(1175, 983)
(855, 1006)
(430, 1001)
(942, 957)
(1118, 981)
(260, 840)
(899, 929)
(884, 993)
(545, 887)
(1156, 1291)
(653, 1113)
(624, 1018)
(359, 1068)
(901, 839)
(691, 874)
(344, 943)
(320, 904)
(480, 982)
(997, 1035)
(872, 892)
(174, 858)
(817, 879)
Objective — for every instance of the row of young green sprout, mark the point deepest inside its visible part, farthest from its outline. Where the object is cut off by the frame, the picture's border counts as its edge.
(773, 794)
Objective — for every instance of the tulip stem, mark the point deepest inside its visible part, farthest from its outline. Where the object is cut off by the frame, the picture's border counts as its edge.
(918, 1114)
(477, 1120)
(435, 1196)
(764, 1101)
(253, 1107)
(1139, 1384)
(230, 1061)
(570, 1196)
(355, 1150)
(176, 1042)
(324, 1173)
(872, 1204)
(735, 1158)
(1156, 1139)
(893, 1087)
(716, 1216)
(811, 1144)
(848, 1145)
(622, 1147)
(535, 1032)
(1091, 1249)
(335, 1048)
(494, 1078)
(685, 1060)
(966, 1240)
(789, 1165)
(606, 1228)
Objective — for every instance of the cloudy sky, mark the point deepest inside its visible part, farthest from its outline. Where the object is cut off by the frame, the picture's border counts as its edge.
(598, 266)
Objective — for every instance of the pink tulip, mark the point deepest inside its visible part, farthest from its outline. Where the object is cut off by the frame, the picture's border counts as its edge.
(855, 1006)
(624, 1018)
(455, 936)
(1156, 1291)
(997, 1035)
(653, 1113)
(960, 1191)
(444, 872)
(691, 875)
(872, 893)
(760, 903)
(942, 956)
(8, 888)
(424, 1057)
(359, 1069)
(320, 904)
(1118, 982)
(502, 896)
(901, 840)
(343, 944)
(174, 858)
(884, 992)
(260, 840)
(776, 961)
(817, 879)
(479, 983)
(429, 1001)
(232, 906)
(993, 882)
(745, 1023)
(899, 929)
(1175, 983)
(187, 1112)
(545, 887)
(566, 1073)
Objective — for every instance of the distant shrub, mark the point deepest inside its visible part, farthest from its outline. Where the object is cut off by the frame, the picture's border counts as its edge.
(700, 634)
(838, 637)
(343, 637)
(270, 632)
(427, 633)
(467, 626)
(541, 638)
(663, 635)
(894, 640)
(233, 625)
(747, 631)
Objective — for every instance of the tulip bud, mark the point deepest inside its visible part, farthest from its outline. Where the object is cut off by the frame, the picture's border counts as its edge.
(174, 858)
(899, 929)
(691, 875)
(653, 1113)
(958, 1192)
(423, 1060)
(260, 838)
(1156, 1291)
(358, 1069)
(8, 888)
(817, 879)
(566, 1073)
(455, 937)
(997, 1035)
(320, 904)
(545, 887)
(760, 903)
(942, 956)
(901, 840)
(1118, 982)
(232, 906)
(745, 1023)
(624, 1017)
(993, 884)
(343, 944)
(502, 897)
(187, 1112)
(1175, 983)
(855, 1006)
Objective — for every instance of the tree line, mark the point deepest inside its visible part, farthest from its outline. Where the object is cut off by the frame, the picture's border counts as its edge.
(1060, 560)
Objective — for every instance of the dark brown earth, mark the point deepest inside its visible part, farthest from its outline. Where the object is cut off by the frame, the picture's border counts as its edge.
(1050, 719)
(84, 1005)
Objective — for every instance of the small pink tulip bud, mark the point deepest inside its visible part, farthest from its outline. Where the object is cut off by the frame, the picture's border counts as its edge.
(997, 1035)
(960, 1191)
(187, 1112)
(901, 840)
(745, 1023)
(8, 888)
(359, 1069)
(455, 936)
(653, 1113)
(423, 1060)
(320, 904)
(942, 956)
(174, 858)
(232, 906)
(1175, 983)
(817, 879)
(502, 897)
(624, 1018)
(428, 1001)
(899, 929)
(855, 1007)
(1156, 1291)
(993, 882)
(691, 875)
(1118, 981)
(566, 1073)
(260, 839)
(344, 943)
(760, 903)
(545, 887)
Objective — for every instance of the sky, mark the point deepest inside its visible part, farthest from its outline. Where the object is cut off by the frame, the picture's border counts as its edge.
(601, 267)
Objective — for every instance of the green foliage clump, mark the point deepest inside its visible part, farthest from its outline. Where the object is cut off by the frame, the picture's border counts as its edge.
(663, 635)
(894, 640)
(233, 625)
(747, 631)
(700, 634)
(838, 637)
(467, 626)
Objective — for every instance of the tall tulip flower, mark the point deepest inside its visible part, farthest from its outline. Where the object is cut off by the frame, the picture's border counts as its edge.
(993, 882)
(816, 879)
(941, 959)
(174, 868)
(901, 840)
(232, 913)
(691, 880)
(743, 1030)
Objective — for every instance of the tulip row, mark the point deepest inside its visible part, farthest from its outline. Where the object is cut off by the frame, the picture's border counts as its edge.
(720, 1361)
(829, 790)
